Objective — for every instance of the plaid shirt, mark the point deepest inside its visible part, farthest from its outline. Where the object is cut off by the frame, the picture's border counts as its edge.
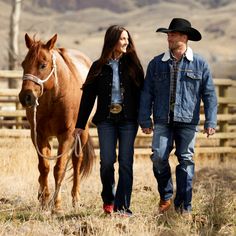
(173, 80)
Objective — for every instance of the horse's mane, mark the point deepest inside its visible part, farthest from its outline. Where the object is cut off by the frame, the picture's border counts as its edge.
(67, 60)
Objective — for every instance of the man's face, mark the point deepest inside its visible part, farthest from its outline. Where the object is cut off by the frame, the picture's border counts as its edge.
(176, 40)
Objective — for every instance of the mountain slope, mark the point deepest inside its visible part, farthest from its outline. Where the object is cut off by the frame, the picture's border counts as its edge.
(84, 29)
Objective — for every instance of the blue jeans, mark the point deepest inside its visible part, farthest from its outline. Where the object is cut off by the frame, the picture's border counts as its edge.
(163, 141)
(109, 133)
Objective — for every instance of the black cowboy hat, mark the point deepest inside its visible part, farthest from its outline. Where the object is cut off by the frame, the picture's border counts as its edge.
(182, 26)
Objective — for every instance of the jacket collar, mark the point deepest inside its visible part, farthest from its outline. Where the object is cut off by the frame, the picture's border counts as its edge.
(188, 55)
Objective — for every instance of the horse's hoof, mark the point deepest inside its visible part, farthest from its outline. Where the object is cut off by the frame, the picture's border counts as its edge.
(58, 212)
(44, 207)
(75, 201)
(46, 213)
(75, 204)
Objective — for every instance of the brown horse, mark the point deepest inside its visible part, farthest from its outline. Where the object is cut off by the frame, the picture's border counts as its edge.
(51, 93)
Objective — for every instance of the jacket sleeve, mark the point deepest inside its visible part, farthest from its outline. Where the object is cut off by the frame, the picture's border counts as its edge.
(87, 102)
(146, 99)
(209, 98)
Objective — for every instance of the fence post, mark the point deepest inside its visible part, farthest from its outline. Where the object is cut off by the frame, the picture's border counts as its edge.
(223, 125)
(19, 118)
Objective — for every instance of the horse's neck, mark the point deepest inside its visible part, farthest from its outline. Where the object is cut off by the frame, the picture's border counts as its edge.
(67, 76)
(62, 78)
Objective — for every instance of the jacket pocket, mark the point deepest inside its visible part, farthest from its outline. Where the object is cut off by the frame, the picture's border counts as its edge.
(161, 82)
(193, 82)
(160, 77)
(193, 76)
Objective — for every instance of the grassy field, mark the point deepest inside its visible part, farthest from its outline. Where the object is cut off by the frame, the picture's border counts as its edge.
(214, 200)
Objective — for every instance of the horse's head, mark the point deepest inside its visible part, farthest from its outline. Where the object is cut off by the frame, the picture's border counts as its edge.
(39, 70)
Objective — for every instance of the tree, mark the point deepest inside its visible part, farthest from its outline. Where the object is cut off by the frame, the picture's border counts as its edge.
(13, 40)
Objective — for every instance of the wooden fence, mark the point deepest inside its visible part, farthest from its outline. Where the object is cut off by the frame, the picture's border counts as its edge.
(13, 122)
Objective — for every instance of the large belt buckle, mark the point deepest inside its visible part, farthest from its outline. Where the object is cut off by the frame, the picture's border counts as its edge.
(115, 108)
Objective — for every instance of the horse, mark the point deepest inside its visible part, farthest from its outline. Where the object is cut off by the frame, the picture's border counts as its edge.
(51, 94)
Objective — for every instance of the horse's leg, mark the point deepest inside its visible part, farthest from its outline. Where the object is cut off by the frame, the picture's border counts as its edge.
(77, 162)
(75, 192)
(44, 168)
(60, 170)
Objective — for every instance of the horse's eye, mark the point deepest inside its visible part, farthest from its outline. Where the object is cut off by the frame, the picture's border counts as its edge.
(42, 66)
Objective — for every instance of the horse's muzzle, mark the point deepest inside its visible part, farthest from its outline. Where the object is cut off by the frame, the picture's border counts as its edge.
(27, 98)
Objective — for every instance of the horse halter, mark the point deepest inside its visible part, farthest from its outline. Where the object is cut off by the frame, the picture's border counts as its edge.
(40, 82)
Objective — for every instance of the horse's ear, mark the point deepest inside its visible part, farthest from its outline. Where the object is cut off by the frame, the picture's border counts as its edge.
(28, 41)
(50, 44)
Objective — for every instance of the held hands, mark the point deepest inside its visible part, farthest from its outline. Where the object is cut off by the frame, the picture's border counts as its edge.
(147, 130)
(209, 131)
(77, 132)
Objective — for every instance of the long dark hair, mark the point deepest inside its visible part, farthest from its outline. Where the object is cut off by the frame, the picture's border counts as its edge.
(133, 65)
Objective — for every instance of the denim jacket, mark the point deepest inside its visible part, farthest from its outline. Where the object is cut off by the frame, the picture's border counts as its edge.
(194, 84)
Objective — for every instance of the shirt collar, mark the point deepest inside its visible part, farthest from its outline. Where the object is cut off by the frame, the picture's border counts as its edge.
(188, 55)
(113, 61)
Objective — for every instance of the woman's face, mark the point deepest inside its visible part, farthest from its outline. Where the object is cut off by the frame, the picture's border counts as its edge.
(122, 44)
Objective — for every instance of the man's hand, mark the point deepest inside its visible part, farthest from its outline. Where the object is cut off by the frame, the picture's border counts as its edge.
(147, 130)
(209, 131)
(77, 132)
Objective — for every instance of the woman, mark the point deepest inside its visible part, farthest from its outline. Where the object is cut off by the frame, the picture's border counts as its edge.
(115, 79)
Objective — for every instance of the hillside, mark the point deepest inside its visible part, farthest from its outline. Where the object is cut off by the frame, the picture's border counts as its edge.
(121, 5)
(84, 29)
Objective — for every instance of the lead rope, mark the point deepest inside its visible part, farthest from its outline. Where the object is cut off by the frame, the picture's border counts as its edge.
(77, 154)
(77, 141)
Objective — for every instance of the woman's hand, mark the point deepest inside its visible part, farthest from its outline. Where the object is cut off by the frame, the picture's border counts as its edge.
(77, 132)
(147, 130)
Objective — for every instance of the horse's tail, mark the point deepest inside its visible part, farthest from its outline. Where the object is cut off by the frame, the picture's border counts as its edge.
(89, 158)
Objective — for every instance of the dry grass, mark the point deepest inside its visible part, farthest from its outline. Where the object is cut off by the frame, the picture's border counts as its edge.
(213, 200)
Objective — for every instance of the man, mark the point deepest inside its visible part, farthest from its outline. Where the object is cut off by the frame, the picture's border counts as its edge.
(176, 82)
